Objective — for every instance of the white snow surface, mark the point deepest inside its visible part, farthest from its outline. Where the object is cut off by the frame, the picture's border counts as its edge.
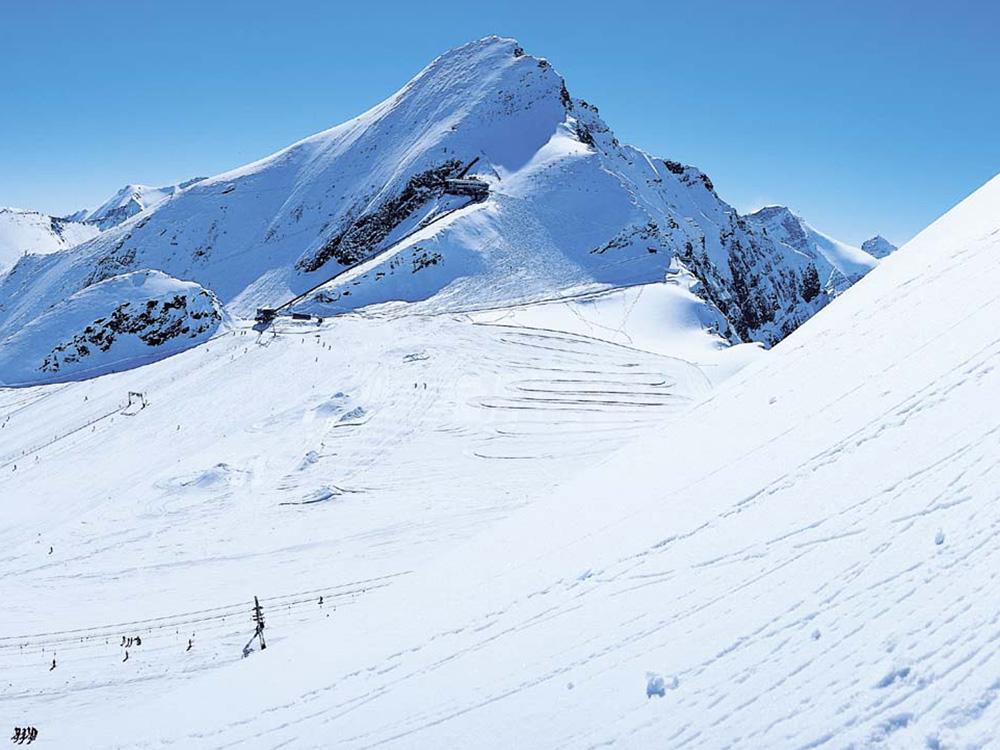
(524, 537)
(33, 232)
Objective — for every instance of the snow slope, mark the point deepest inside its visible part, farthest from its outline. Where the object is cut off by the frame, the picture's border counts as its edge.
(296, 462)
(558, 542)
(31, 232)
(365, 205)
(119, 323)
(127, 202)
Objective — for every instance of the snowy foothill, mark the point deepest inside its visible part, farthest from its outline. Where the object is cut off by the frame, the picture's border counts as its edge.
(116, 324)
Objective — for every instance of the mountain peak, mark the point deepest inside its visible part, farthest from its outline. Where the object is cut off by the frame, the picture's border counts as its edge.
(771, 213)
(480, 182)
(129, 201)
(878, 247)
(838, 263)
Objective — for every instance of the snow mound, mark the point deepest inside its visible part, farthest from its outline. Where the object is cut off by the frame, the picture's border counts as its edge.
(126, 320)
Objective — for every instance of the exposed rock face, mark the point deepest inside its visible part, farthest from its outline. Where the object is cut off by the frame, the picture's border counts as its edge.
(364, 237)
(154, 323)
(33, 232)
(133, 318)
(878, 247)
(838, 263)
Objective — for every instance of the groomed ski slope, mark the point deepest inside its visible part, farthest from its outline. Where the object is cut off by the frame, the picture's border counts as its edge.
(806, 557)
(331, 459)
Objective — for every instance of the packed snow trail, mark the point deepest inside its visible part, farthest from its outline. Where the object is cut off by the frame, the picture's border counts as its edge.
(808, 558)
(288, 461)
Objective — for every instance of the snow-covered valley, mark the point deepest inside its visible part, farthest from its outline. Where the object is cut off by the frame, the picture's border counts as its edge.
(522, 474)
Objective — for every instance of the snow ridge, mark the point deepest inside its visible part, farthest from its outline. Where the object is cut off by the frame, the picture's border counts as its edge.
(127, 202)
(33, 232)
(367, 207)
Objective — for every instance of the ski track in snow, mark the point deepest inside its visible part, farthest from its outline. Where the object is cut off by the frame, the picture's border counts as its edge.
(525, 537)
(366, 443)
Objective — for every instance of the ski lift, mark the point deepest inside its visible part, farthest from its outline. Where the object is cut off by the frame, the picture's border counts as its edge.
(135, 404)
(468, 186)
(266, 315)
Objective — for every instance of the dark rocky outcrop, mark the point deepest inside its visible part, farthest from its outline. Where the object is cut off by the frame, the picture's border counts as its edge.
(364, 235)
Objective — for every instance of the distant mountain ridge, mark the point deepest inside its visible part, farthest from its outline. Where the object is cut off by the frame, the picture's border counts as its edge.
(878, 247)
(838, 264)
(558, 206)
(127, 202)
(23, 231)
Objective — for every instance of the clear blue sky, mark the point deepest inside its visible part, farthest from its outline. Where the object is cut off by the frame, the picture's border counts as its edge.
(864, 116)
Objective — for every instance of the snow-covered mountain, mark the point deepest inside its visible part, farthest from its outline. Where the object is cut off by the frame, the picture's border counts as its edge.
(119, 320)
(24, 231)
(491, 535)
(480, 184)
(837, 264)
(127, 202)
(32, 232)
(878, 247)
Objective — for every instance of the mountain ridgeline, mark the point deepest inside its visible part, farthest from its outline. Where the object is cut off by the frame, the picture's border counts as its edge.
(371, 212)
